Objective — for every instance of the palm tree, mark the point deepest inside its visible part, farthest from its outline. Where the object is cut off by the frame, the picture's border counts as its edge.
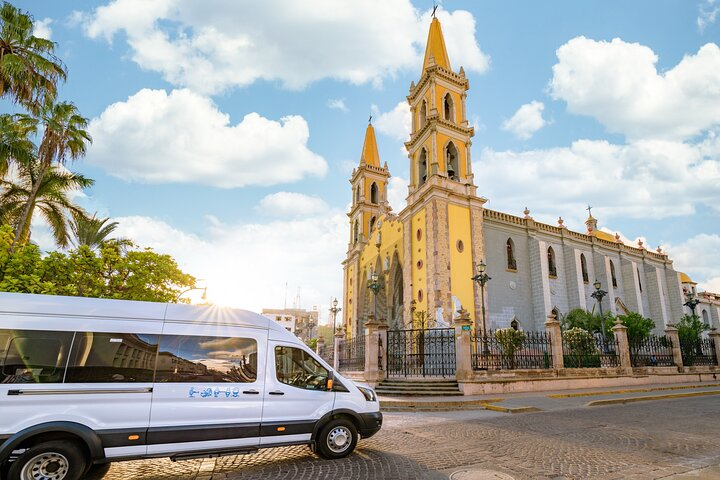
(29, 69)
(15, 144)
(90, 231)
(52, 199)
(64, 136)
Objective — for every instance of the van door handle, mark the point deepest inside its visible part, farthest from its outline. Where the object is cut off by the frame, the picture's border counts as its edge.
(277, 392)
(250, 392)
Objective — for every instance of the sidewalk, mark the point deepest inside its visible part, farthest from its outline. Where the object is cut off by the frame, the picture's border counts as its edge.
(550, 400)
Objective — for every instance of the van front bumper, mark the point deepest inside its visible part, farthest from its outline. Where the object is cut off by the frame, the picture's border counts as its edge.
(371, 423)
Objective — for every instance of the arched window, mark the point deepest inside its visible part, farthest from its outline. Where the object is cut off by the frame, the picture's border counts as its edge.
(510, 249)
(556, 313)
(422, 167)
(612, 274)
(639, 281)
(423, 114)
(706, 320)
(583, 267)
(356, 232)
(449, 108)
(357, 194)
(374, 193)
(372, 224)
(514, 324)
(451, 161)
(552, 267)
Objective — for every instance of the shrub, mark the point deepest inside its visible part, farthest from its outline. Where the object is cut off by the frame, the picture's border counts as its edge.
(511, 341)
(581, 349)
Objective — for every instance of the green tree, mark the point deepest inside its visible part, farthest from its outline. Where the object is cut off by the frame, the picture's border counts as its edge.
(638, 327)
(511, 341)
(15, 144)
(52, 200)
(90, 231)
(21, 270)
(581, 348)
(64, 137)
(29, 69)
(589, 321)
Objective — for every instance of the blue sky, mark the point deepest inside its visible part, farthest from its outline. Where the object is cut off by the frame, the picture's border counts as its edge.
(225, 131)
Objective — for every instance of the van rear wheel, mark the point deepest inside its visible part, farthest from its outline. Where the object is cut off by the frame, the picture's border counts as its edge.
(55, 460)
(337, 439)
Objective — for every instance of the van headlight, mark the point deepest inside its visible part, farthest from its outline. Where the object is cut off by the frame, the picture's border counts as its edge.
(368, 394)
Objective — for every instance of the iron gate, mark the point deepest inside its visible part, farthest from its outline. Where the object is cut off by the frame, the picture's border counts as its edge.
(421, 353)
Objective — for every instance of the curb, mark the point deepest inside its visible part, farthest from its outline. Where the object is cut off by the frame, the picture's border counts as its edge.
(499, 408)
(616, 401)
(630, 390)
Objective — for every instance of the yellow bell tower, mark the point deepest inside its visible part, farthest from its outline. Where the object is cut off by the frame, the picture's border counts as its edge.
(443, 219)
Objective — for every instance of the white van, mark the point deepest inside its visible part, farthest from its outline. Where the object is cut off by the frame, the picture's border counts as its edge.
(86, 381)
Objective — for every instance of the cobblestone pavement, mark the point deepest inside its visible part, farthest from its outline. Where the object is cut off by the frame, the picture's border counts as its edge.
(658, 439)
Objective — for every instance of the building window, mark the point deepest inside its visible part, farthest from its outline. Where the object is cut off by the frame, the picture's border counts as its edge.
(556, 313)
(510, 249)
(374, 193)
(357, 194)
(515, 325)
(451, 161)
(423, 114)
(372, 224)
(356, 232)
(552, 267)
(422, 167)
(449, 108)
(639, 281)
(583, 267)
(705, 318)
(612, 274)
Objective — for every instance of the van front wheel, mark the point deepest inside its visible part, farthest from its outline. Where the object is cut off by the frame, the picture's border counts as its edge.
(56, 460)
(337, 439)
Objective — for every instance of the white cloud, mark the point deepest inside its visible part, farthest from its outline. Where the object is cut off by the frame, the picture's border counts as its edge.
(699, 257)
(526, 121)
(229, 44)
(248, 265)
(284, 204)
(618, 83)
(182, 137)
(397, 123)
(397, 193)
(709, 11)
(41, 28)
(646, 179)
(337, 104)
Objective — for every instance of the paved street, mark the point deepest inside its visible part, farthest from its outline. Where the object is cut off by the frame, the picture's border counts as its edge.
(649, 440)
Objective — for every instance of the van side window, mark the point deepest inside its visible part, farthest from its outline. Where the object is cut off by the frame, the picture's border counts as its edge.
(295, 367)
(187, 358)
(112, 357)
(33, 356)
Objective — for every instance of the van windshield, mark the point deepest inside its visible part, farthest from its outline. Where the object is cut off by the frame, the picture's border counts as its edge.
(295, 367)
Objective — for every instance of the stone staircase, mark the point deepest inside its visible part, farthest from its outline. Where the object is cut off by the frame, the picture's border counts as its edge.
(418, 388)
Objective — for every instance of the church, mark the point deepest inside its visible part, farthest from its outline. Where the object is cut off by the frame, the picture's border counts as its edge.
(425, 256)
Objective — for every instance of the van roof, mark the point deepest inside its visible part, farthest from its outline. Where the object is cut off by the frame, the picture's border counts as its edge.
(32, 304)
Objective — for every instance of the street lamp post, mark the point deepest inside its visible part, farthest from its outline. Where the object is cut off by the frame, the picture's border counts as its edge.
(482, 278)
(691, 303)
(204, 295)
(598, 295)
(375, 284)
(334, 310)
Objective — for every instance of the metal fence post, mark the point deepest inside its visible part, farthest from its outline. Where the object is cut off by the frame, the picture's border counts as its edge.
(623, 346)
(672, 334)
(552, 326)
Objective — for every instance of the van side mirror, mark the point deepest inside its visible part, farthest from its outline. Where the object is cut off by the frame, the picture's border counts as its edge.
(330, 380)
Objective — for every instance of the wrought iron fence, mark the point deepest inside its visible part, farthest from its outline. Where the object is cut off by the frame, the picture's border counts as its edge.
(488, 353)
(700, 351)
(327, 353)
(652, 351)
(593, 353)
(421, 352)
(351, 354)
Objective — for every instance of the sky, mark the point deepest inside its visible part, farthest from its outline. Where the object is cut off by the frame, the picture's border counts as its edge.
(225, 131)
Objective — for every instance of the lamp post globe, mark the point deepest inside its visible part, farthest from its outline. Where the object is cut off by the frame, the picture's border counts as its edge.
(598, 295)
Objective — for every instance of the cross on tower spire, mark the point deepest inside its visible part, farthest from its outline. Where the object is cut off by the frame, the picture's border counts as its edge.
(589, 209)
(434, 9)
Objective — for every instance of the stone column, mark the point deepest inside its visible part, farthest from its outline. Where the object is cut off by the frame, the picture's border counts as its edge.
(373, 374)
(339, 335)
(715, 336)
(623, 345)
(320, 344)
(672, 334)
(552, 327)
(463, 346)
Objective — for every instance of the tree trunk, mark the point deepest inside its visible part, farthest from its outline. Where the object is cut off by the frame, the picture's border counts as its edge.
(26, 217)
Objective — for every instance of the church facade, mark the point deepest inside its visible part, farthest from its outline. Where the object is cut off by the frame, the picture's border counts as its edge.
(425, 255)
